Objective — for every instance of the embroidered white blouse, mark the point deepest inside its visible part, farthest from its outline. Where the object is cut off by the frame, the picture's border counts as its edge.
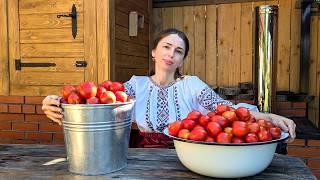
(156, 106)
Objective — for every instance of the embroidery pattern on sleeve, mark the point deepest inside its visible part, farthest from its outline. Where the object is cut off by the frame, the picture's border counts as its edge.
(149, 123)
(162, 109)
(129, 90)
(209, 99)
(176, 103)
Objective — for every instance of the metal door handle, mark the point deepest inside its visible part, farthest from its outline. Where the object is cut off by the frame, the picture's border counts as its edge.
(73, 15)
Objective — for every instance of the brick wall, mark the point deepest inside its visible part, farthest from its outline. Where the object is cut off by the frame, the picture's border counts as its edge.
(22, 122)
(309, 152)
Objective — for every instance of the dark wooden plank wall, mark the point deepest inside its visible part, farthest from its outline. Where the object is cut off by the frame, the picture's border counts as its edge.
(131, 53)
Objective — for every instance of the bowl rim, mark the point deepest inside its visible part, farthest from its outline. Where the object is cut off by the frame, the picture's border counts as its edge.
(97, 105)
(284, 136)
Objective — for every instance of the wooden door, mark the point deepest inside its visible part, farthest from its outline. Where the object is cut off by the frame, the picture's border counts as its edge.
(37, 35)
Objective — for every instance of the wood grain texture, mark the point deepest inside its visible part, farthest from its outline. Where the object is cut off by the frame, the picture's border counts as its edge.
(52, 50)
(90, 40)
(50, 35)
(48, 6)
(211, 45)
(188, 21)
(4, 54)
(229, 44)
(47, 21)
(14, 43)
(283, 67)
(295, 48)
(124, 47)
(27, 161)
(200, 42)
(246, 40)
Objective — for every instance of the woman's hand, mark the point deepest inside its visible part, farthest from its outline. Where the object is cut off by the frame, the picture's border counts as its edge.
(50, 106)
(287, 125)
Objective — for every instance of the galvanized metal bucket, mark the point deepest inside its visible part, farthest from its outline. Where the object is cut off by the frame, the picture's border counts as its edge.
(97, 137)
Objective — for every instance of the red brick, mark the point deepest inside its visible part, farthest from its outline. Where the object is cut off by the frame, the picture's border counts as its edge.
(307, 152)
(58, 142)
(14, 108)
(283, 105)
(25, 126)
(3, 108)
(316, 173)
(5, 141)
(12, 99)
(314, 163)
(298, 142)
(28, 109)
(314, 142)
(301, 105)
(34, 99)
(5, 125)
(11, 117)
(38, 136)
(39, 109)
(49, 127)
(12, 134)
(58, 136)
(293, 112)
(37, 118)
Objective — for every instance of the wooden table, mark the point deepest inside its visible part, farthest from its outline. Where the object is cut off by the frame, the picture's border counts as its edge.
(27, 162)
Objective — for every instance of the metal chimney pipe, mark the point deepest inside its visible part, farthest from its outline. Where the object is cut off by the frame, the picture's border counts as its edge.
(266, 57)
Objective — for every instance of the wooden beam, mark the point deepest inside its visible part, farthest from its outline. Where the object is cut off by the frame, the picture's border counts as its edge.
(4, 56)
(174, 3)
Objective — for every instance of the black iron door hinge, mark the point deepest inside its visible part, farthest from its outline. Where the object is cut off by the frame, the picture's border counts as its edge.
(19, 64)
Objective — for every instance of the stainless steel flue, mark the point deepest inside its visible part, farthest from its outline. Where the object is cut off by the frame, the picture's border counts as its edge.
(266, 56)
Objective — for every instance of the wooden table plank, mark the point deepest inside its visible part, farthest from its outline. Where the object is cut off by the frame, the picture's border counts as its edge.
(27, 162)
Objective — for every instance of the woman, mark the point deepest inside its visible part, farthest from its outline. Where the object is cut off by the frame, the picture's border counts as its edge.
(166, 96)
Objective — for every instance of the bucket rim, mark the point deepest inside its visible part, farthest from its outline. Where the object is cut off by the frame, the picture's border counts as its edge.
(97, 105)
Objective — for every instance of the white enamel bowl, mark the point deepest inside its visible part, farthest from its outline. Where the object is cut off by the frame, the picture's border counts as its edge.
(225, 160)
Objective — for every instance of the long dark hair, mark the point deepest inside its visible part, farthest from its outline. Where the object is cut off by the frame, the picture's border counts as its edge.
(164, 34)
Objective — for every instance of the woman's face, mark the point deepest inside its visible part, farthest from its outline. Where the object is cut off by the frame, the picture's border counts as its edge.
(169, 53)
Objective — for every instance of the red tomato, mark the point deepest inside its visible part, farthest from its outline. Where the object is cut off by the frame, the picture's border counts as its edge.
(243, 113)
(107, 97)
(214, 128)
(198, 127)
(253, 127)
(223, 138)
(220, 109)
(106, 84)
(93, 100)
(251, 138)
(174, 128)
(203, 121)
(194, 115)
(237, 140)
(87, 89)
(211, 113)
(74, 98)
(67, 90)
(184, 133)
(252, 119)
(100, 90)
(230, 116)
(240, 128)
(228, 130)
(269, 124)
(221, 120)
(264, 135)
(121, 96)
(116, 86)
(262, 122)
(198, 135)
(188, 124)
(209, 139)
(275, 132)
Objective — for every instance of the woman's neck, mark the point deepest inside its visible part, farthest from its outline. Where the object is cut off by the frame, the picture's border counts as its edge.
(163, 79)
